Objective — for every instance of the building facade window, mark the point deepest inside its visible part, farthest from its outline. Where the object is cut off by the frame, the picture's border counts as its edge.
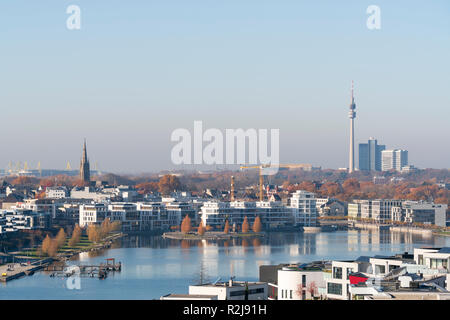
(337, 273)
(334, 288)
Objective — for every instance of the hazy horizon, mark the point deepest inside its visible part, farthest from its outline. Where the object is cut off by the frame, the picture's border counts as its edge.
(134, 73)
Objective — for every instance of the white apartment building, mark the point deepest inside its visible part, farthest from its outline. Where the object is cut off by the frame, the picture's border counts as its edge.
(354, 209)
(232, 290)
(378, 210)
(394, 159)
(56, 192)
(338, 286)
(303, 204)
(46, 206)
(92, 213)
(273, 214)
(90, 193)
(420, 212)
(215, 213)
(22, 219)
(134, 217)
(433, 258)
(296, 283)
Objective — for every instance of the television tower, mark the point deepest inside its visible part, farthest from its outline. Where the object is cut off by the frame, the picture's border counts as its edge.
(352, 115)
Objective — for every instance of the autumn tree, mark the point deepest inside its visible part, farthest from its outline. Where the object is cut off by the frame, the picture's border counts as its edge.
(308, 186)
(201, 230)
(76, 236)
(53, 248)
(93, 233)
(168, 183)
(245, 226)
(46, 244)
(186, 224)
(257, 225)
(106, 226)
(23, 180)
(226, 229)
(61, 238)
(147, 187)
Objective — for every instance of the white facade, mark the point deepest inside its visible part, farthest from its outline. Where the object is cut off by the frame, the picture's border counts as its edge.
(56, 192)
(303, 204)
(433, 258)
(394, 159)
(92, 214)
(272, 214)
(232, 290)
(134, 217)
(420, 212)
(298, 284)
(338, 286)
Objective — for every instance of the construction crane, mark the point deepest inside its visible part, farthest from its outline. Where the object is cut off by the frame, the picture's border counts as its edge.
(303, 166)
(261, 179)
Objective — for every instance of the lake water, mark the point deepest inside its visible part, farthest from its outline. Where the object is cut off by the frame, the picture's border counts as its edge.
(153, 266)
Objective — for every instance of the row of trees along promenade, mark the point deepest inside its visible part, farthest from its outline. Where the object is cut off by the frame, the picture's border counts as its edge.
(81, 239)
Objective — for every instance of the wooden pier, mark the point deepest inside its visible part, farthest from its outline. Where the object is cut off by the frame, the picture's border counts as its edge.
(99, 271)
(16, 270)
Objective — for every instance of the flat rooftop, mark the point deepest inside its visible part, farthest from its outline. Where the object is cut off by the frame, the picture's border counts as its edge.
(189, 296)
(226, 284)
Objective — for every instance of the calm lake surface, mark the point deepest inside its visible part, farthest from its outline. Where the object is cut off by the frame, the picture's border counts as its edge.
(153, 266)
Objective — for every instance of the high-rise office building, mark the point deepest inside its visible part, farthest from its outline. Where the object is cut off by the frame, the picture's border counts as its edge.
(394, 159)
(370, 155)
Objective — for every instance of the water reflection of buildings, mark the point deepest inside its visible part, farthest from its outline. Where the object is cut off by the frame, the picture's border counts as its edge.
(377, 240)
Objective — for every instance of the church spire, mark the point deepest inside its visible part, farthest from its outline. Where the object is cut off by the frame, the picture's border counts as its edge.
(84, 165)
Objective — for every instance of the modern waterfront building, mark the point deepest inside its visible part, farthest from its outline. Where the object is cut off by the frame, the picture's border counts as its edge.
(394, 159)
(135, 217)
(338, 286)
(232, 290)
(303, 204)
(92, 213)
(370, 155)
(420, 212)
(300, 282)
(377, 210)
(273, 213)
(354, 209)
(23, 219)
(382, 211)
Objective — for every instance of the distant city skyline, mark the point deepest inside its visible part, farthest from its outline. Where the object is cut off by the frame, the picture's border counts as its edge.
(133, 74)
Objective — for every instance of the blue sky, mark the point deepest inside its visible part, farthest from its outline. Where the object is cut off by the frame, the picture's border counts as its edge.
(137, 70)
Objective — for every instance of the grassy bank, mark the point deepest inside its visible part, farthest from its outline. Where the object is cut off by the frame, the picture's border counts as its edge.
(82, 246)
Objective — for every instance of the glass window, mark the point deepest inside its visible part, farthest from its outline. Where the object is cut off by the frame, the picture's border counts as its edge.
(337, 273)
(379, 269)
(349, 270)
(334, 288)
